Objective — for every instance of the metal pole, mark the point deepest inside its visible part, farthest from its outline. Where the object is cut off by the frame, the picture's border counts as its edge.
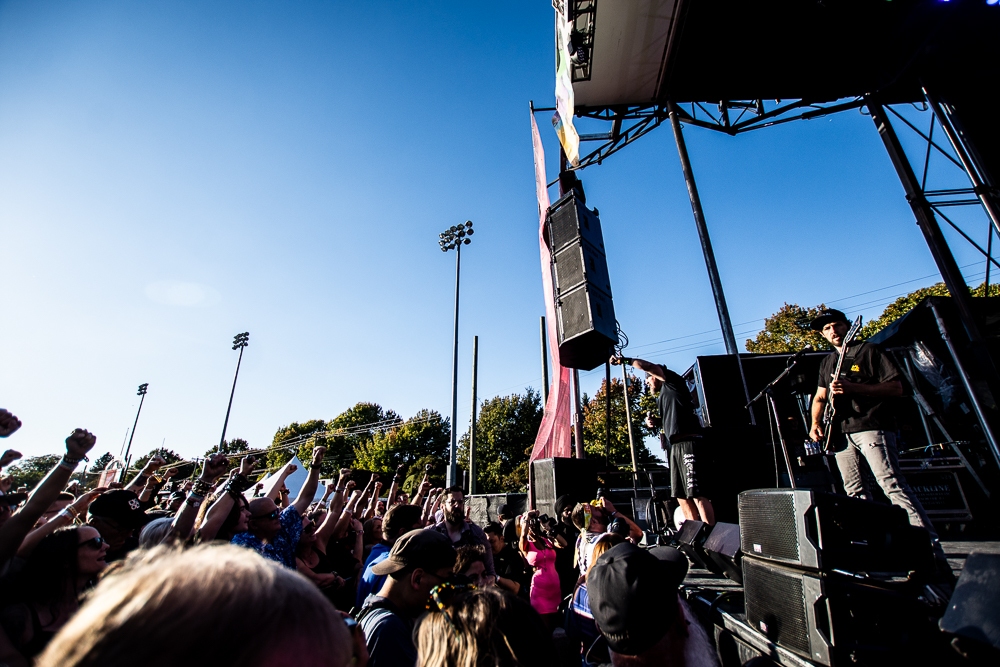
(225, 424)
(452, 462)
(577, 417)
(607, 413)
(706, 247)
(631, 440)
(472, 426)
(982, 188)
(545, 364)
(129, 447)
(922, 211)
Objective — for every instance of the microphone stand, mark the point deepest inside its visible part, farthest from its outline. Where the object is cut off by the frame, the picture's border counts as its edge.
(768, 391)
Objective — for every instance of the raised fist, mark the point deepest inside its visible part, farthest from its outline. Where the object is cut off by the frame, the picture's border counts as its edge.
(215, 466)
(8, 423)
(318, 453)
(79, 443)
(154, 463)
(9, 457)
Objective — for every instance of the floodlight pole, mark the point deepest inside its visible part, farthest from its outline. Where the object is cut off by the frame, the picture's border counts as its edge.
(240, 341)
(706, 246)
(142, 397)
(472, 426)
(454, 238)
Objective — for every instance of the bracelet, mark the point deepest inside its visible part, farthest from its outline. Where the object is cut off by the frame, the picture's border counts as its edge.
(69, 515)
(315, 466)
(338, 489)
(68, 463)
(200, 487)
(193, 500)
(237, 484)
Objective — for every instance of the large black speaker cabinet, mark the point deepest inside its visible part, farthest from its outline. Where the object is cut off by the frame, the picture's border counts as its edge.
(823, 531)
(584, 310)
(555, 477)
(835, 619)
(974, 609)
(722, 548)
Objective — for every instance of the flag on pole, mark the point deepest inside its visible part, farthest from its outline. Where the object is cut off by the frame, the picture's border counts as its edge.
(563, 118)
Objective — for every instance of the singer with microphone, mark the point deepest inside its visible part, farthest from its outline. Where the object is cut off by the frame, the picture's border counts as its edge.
(864, 423)
(684, 434)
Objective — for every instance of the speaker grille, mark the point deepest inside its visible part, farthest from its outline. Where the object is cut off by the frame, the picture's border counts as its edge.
(767, 525)
(776, 605)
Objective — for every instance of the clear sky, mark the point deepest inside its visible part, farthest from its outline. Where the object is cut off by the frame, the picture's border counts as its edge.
(174, 173)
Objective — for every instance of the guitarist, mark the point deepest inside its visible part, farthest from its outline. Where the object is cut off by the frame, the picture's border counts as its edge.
(864, 422)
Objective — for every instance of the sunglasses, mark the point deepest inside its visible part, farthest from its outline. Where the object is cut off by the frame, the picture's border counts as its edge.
(94, 543)
(273, 515)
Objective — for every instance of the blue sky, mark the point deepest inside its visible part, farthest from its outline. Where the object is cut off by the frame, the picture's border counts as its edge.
(173, 173)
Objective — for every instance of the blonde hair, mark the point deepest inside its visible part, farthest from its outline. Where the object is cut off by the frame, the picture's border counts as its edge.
(211, 606)
(603, 543)
(483, 627)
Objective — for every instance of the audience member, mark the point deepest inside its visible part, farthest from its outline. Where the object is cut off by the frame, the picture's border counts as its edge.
(470, 566)
(580, 625)
(509, 564)
(634, 600)
(568, 573)
(418, 561)
(208, 606)
(592, 520)
(118, 516)
(460, 531)
(481, 627)
(311, 559)
(540, 552)
(275, 533)
(398, 520)
(45, 594)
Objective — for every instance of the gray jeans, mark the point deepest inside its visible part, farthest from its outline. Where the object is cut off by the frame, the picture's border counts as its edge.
(879, 449)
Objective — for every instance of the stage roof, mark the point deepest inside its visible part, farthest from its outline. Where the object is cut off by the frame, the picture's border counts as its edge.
(646, 52)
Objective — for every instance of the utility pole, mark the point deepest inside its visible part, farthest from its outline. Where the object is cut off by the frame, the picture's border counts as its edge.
(545, 364)
(577, 416)
(240, 341)
(472, 426)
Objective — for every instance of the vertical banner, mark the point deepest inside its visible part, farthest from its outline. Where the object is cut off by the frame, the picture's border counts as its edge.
(553, 437)
(565, 100)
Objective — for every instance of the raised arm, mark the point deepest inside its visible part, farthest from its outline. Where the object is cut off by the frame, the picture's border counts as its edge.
(656, 370)
(221, 508)
(139, 481)
(397, 479)
(424, 487)
(282, 476)
(64, 518)
(183, 523)
(308, 490)
(16, 528)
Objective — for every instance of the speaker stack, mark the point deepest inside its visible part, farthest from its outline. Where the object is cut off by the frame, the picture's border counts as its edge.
(584, 311)
(833, 578)
(551, 478)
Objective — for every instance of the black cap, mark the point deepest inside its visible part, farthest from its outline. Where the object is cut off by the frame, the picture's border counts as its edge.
(424, 548)
(633, 596)
(120, 506)
(675, 562)
(827, 316)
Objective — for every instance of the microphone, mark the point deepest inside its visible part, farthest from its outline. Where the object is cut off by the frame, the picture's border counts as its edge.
(798, 355)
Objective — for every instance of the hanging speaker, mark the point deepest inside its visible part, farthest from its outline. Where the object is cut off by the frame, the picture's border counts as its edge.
(585, 313)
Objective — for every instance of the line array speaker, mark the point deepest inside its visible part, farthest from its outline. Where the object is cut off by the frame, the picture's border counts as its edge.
(585, 312)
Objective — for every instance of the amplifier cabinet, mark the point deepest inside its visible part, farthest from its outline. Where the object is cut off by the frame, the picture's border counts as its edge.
(823, 531)
(836, 619)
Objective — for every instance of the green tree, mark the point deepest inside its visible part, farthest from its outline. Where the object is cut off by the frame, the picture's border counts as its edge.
(30, 471)
(788, 331)
(169, 455)
(279, 453)
(505, 433)
(594, 423)
(101, 462)
(423, 437)
(229, 447)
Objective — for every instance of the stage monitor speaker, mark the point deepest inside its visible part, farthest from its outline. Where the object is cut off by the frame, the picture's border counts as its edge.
(690, 539)
(722, 548)
(974, 609)
(836, 619)
(556, 477)
(585, 313)
(483, 507)
(823, 531)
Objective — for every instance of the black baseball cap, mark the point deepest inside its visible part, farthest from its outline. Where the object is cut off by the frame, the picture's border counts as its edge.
(633, 596)
(827, 316)
(424, 548)
(122, 507)
(12, 499)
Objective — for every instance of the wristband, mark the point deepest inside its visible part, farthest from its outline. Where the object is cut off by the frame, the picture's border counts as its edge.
(200, 487)
(316, 466)
(194, 500)
(68, 463)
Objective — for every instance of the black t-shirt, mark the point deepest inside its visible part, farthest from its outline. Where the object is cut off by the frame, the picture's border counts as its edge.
(865, 363)
(677, 409)
(510, 565)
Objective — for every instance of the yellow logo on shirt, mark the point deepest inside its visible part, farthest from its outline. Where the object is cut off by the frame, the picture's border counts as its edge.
(855, 368)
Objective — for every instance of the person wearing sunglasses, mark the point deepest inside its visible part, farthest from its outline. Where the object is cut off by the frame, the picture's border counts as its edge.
(275, 533)
(44, 595)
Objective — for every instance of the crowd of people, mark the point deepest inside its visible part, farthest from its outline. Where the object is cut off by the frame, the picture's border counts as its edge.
(218, 572)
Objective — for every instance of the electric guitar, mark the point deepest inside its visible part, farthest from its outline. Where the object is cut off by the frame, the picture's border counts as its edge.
(830, 411)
